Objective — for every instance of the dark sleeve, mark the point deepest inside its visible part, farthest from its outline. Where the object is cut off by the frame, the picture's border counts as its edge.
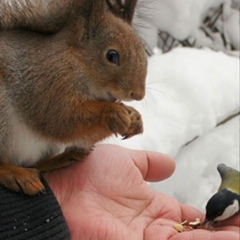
(31, 218)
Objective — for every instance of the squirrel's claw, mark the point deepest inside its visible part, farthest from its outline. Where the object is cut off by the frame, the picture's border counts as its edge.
(125, 136)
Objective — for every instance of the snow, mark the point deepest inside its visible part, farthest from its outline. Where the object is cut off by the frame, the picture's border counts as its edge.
(189, 92)
(182, 19)
(196, 177)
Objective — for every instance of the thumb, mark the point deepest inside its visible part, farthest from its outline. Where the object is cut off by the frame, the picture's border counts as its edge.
(154, 166)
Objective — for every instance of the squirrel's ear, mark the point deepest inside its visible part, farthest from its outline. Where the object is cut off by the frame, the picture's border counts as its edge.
(94, 9)
(123, 8)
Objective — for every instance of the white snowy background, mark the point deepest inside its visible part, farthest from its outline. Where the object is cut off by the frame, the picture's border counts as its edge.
(191, 108)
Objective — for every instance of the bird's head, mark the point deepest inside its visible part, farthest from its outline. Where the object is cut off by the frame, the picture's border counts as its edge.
(221, 206)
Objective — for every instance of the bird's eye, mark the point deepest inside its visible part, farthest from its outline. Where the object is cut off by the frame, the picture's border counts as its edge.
(113, 57)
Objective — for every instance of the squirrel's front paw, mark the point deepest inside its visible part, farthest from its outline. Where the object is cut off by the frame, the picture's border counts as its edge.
(136, 125)
(21, 179)
(117, 119)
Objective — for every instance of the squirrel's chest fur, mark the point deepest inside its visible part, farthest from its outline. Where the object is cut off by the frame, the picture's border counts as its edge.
(25, 147)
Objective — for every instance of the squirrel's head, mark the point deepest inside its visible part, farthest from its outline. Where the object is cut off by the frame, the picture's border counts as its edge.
(112, 55)
(96, 56)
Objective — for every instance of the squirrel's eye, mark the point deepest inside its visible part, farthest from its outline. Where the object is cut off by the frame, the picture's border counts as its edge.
(113, 56)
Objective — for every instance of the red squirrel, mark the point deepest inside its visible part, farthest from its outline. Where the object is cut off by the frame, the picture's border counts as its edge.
(61, 86)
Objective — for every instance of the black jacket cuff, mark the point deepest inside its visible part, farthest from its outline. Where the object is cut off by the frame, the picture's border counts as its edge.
(31, 218)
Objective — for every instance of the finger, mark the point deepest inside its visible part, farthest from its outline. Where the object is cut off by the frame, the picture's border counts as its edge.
(159, 232)
(154, 166)
(163, 229)
(233, 221)
(206, 235)
(190, 213)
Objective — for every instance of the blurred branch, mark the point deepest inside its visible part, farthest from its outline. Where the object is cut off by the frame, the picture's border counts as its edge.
(213, 27)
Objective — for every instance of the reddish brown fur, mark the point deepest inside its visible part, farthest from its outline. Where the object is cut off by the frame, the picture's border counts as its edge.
(21, 179)
(62, 85)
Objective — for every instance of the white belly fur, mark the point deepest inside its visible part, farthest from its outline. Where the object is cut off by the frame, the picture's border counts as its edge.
(27, 147)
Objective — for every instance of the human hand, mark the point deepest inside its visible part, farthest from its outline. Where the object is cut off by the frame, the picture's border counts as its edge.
(107, 198)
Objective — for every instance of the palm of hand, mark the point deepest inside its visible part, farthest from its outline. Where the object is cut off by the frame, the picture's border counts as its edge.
(107, 198)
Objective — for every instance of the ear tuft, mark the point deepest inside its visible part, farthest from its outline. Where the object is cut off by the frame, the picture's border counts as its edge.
(93, 9)
(123, 8)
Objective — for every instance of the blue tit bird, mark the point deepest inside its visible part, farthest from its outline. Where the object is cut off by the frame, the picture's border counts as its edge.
(226, 202)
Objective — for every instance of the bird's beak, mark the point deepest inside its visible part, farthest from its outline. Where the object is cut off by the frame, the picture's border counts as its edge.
(208, 223)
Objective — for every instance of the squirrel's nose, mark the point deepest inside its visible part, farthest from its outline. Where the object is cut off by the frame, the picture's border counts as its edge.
(138, 95)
